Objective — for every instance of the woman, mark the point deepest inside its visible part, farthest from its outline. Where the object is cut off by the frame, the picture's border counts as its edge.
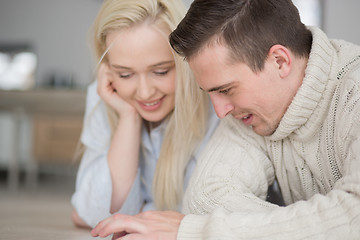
(149, 121)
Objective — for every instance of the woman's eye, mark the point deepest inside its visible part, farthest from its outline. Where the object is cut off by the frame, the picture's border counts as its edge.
(161, 72)
(125, 75)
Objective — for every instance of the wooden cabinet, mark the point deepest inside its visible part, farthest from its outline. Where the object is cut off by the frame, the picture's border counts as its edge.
(56, 138)
(55, 117)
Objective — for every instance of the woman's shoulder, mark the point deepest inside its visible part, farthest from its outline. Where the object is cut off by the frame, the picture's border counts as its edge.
(96, 131)
(92, 97)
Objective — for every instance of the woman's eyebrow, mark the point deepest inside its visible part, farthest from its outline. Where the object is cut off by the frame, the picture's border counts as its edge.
(163, 63)
(120, 67)
(152, 66)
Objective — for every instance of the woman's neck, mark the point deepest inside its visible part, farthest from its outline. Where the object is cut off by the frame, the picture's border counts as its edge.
(151, 125)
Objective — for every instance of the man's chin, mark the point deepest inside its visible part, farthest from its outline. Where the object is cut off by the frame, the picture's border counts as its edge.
(263, 132)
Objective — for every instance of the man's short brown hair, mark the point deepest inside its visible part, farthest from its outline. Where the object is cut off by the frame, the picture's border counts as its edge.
(249, 28)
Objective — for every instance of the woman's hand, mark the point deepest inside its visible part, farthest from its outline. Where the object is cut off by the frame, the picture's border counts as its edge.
(146, 225)
(109, 94)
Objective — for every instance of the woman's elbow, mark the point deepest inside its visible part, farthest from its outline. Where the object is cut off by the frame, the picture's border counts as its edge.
(77, 220)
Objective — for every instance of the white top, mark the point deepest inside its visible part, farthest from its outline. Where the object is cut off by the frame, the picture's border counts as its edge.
(92, 196)
(314, 154)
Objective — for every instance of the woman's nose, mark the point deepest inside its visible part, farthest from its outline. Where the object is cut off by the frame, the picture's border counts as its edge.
(145, 88)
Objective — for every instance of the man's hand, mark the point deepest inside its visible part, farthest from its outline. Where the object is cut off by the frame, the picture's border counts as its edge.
(146, 225)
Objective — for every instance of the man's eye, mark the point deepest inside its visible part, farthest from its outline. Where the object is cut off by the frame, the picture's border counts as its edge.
(225, 91)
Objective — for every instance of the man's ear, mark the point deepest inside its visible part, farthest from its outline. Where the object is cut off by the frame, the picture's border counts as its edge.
(282, 59)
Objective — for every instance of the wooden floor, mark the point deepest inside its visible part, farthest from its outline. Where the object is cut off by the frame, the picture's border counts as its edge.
(39, 213)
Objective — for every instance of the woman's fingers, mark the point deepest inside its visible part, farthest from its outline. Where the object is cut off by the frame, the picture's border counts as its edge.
(107, 91)
(104, 81)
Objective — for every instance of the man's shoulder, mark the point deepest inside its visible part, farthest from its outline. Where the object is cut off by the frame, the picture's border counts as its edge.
(348, 55)
(237, 131)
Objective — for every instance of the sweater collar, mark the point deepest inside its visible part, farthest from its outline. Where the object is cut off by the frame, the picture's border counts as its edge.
(306, 111)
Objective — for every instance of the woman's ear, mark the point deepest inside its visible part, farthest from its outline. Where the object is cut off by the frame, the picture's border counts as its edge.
(282, 59)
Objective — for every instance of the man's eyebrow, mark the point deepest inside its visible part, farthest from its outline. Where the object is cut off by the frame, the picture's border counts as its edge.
(214, 89)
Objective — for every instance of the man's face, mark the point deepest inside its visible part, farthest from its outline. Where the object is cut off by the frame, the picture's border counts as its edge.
(257, 99)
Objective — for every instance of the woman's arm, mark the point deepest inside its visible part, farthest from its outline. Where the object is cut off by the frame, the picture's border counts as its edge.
(123, 154)
(123, 159)
(93, 193)
(78, 221)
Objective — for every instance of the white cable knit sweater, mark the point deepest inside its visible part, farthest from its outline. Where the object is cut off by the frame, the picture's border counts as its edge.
(314, 153)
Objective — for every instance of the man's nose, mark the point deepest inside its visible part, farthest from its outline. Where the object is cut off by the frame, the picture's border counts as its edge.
(221, 106)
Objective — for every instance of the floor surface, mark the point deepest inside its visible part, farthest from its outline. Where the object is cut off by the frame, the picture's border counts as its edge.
(40, 213)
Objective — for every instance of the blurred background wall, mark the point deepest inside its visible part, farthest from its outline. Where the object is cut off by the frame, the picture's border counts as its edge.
(341, 19)
(57, 32)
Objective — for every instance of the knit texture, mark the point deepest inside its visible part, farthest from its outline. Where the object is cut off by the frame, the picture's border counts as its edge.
(314, 154)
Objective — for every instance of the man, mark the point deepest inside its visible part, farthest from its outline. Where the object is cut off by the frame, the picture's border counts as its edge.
(290, 99)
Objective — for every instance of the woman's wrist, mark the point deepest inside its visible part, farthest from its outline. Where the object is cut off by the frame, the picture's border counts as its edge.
(130, 117)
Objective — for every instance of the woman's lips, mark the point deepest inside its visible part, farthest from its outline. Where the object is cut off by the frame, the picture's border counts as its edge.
(151, 105)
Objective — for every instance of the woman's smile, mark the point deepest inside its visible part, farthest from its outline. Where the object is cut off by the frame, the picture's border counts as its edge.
(151, 105)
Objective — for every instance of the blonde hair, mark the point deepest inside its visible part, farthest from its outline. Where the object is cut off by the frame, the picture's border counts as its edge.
(187, 123)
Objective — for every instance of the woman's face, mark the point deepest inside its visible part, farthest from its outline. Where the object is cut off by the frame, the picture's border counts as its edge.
(143, 70)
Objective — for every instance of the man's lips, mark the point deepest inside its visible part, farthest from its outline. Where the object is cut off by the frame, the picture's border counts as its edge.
(246, 119)
(241, 117)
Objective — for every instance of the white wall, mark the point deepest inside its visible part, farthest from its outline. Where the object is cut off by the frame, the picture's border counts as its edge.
(341, 19)
(57, 29)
